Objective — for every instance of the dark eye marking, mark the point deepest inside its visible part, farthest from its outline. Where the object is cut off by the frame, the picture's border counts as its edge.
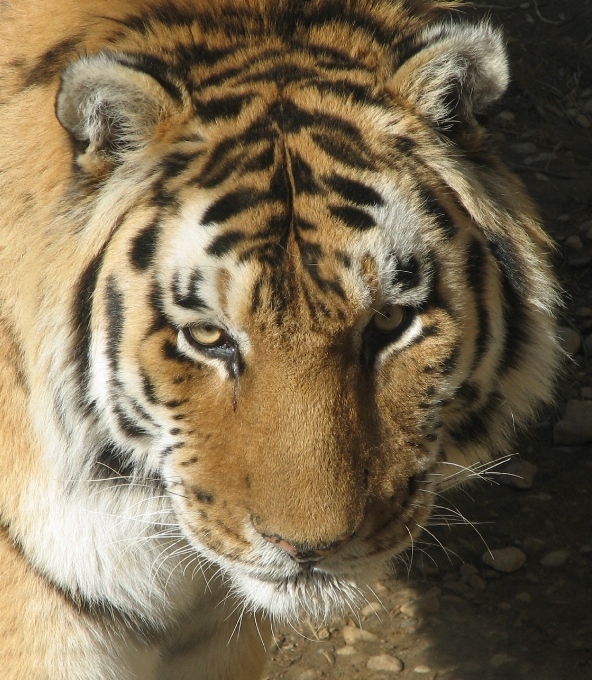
(144, 247)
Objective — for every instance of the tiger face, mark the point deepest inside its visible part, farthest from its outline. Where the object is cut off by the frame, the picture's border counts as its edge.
(311, 295)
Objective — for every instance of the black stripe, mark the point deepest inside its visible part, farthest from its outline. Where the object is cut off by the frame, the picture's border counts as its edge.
(433, 207)
(227, 154)
(408, 274)
(112, 463)
(353, 217)
(115, 312)
(149, 389)
(345, 89)
(176, 163)
(232, 204)
(302, 175)
(475, 426)
(311, 254)
(282, 74)
(127, 424)
(82, 313)
(51, 62)
(172, 353)
(342, 151)
(222, 244)
(202, 496)
(476, 275)
(144, 246)
(189, 299)
(261, 161)
(353, 191)
(515, 309)
(157, 69)
(219, 78)
(226, 107)
(160, 320)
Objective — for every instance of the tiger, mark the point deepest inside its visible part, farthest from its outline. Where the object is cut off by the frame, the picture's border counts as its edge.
(266, 289)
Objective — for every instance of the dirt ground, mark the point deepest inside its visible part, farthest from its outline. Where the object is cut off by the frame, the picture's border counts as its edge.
(477, 623)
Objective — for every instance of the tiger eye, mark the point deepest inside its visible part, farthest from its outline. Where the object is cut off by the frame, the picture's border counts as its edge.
(389, 318)
(206, 334)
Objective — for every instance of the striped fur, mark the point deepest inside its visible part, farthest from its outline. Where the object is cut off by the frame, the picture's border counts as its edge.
(288, 176)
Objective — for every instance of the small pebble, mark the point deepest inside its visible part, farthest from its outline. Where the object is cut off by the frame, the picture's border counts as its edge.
(519, 474)
(477, 583)
(422, 669)
(423, 606)
(385, 662)
(372, 608)
(557, 558)
(579, 261)
(586, 392)
(574, 242)
(576, 425)
(351, 635)
(524, 596)
(310, 674)
(348, 650)
(532, 545)
(500, 659)
(585, 549)
(585, 226)
(524, 148)
(506, 115)
(582, 120)
(467, 570)
(505, 559)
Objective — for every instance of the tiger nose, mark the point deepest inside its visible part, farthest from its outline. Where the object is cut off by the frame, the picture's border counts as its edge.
(304, 552)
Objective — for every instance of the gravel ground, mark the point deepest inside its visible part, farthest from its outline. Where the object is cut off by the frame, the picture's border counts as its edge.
(447, 613)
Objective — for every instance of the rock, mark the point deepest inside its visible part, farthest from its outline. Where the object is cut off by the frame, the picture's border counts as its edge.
(576, 425)
(423, 606)
(507, 116)
(385, 662)
(458, 587)
(582, 120)
(311, 674)
(585, 226)
(524, 148)
(477, 583)
(500, 659)
(467, 570)
(422, 669)
(371, 609)
(569, 339)
(323, 633)
(579, 261)
(348, 650)
(351, 635)
(585, 549)
(531, 545)
(586, 392)
(574, 242)
(505, 559)
(523, 596)
(519, 474)
(557, 558)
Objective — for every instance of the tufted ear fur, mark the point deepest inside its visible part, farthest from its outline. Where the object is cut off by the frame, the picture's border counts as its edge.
(455, 73)
(109, 104)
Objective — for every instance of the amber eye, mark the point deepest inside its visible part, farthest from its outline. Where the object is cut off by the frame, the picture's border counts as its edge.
(205, 335)
(389, 318)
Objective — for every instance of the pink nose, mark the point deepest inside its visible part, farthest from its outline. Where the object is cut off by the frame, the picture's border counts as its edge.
(304, 552)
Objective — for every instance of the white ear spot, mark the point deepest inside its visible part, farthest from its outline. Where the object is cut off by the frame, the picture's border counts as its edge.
(108, 105)
(459, 72)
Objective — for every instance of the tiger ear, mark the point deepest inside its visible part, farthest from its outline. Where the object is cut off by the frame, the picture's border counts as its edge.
(456, 72)
(109, 104)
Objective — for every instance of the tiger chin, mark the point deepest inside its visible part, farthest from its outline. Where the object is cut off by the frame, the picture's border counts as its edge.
(265, 290)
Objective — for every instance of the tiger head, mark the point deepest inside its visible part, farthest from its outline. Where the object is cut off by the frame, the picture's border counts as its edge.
(315, 297)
